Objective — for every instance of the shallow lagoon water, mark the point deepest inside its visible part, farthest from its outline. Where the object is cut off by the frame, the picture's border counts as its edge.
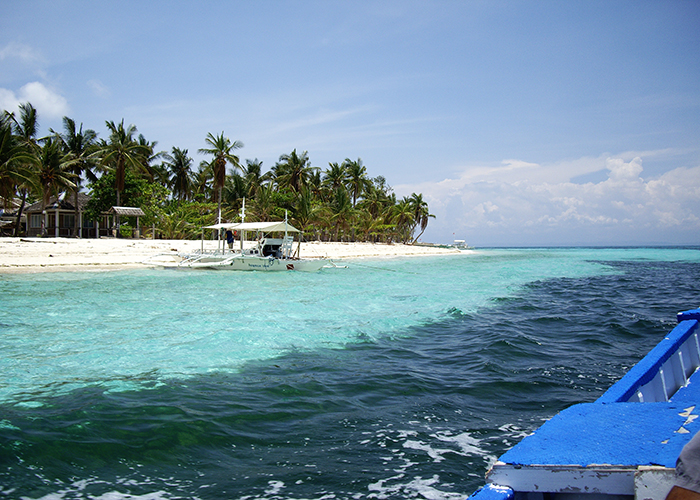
(399, 378)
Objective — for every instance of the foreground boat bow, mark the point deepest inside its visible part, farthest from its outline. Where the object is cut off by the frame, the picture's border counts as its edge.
(624, 445)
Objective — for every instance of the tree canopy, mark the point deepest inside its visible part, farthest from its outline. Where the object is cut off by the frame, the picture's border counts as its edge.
(341, 202)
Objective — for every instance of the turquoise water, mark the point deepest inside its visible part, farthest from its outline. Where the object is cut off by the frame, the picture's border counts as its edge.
(389, 379)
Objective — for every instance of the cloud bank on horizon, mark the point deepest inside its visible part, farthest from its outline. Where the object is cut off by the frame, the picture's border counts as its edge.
(533, 202)
(521, 123)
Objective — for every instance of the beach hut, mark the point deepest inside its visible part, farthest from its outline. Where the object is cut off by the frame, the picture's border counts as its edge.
(58, 218)
(8, 216)
(118, 212)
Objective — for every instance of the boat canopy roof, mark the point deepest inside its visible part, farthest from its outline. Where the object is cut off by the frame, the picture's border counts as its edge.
(255, 226)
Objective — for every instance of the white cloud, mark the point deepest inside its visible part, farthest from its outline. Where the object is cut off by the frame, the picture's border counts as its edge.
(99, 88)
(16, 50)
(515, 199)
(621, 171)
(48, 102)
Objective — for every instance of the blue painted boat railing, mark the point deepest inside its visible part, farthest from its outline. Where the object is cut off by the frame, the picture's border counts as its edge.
(662, 372)
(614, 447)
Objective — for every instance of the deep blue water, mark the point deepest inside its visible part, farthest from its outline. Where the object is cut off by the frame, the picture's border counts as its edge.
(400, 378)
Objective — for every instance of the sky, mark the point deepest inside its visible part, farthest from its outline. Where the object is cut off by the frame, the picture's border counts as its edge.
(522, 123)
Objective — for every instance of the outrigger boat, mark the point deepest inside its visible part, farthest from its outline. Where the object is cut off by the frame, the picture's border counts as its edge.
(264, 253)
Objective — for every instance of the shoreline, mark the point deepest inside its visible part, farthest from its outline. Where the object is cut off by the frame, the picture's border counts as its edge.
(36, 255)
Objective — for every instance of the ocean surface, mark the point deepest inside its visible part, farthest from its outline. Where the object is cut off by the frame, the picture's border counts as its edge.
(391, 379)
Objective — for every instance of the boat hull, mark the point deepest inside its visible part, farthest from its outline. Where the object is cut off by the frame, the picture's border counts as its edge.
(265, 264)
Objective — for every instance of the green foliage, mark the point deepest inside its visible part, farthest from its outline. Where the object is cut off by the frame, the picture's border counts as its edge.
(184, 220)
(339, 203)
(173, 219)
(104, 194)
(126, 231)
(154, 198)
(122, 154)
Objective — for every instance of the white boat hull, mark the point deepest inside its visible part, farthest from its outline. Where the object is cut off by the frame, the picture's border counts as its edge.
(256, 263)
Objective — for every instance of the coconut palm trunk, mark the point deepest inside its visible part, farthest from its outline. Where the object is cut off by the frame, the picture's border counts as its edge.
(222, 149)
(18, 223)
(79, 145)
(122, 151)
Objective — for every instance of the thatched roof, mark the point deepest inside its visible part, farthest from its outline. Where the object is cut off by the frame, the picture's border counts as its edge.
(126, 211)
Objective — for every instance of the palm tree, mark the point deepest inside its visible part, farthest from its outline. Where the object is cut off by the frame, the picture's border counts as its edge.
(15, 171)
(369, 225)
(235, 189)
(315, 183)
(222, 149)
(11, 154)
(25, 131)
(403, 219)
(341, 210)
(379, 183)
(53, 172)
(9, 147)
(421, 214)
(122, 151)
(80, 146)
(202, 181)
(150, 157)
(293, 171)
(374, 201)
(305, 210)
(264, 204)
(334, 177)
(254, 177)
(179, 166)
(357, 178)
(27, 127)
(159, 173)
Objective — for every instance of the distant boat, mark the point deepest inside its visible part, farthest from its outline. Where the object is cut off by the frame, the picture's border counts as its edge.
(461, 245)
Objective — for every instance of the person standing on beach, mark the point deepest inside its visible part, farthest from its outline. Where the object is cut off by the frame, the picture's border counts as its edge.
(229, 239)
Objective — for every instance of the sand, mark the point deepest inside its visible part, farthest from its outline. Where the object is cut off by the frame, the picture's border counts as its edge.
(68, 254)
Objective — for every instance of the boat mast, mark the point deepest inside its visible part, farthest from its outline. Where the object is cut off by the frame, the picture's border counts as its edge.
(285, 232)
(242, 221)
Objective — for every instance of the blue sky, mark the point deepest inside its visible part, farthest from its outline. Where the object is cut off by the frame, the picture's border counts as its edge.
(521, 123)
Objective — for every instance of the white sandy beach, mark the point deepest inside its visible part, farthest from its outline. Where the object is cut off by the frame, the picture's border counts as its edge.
(66, 254)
